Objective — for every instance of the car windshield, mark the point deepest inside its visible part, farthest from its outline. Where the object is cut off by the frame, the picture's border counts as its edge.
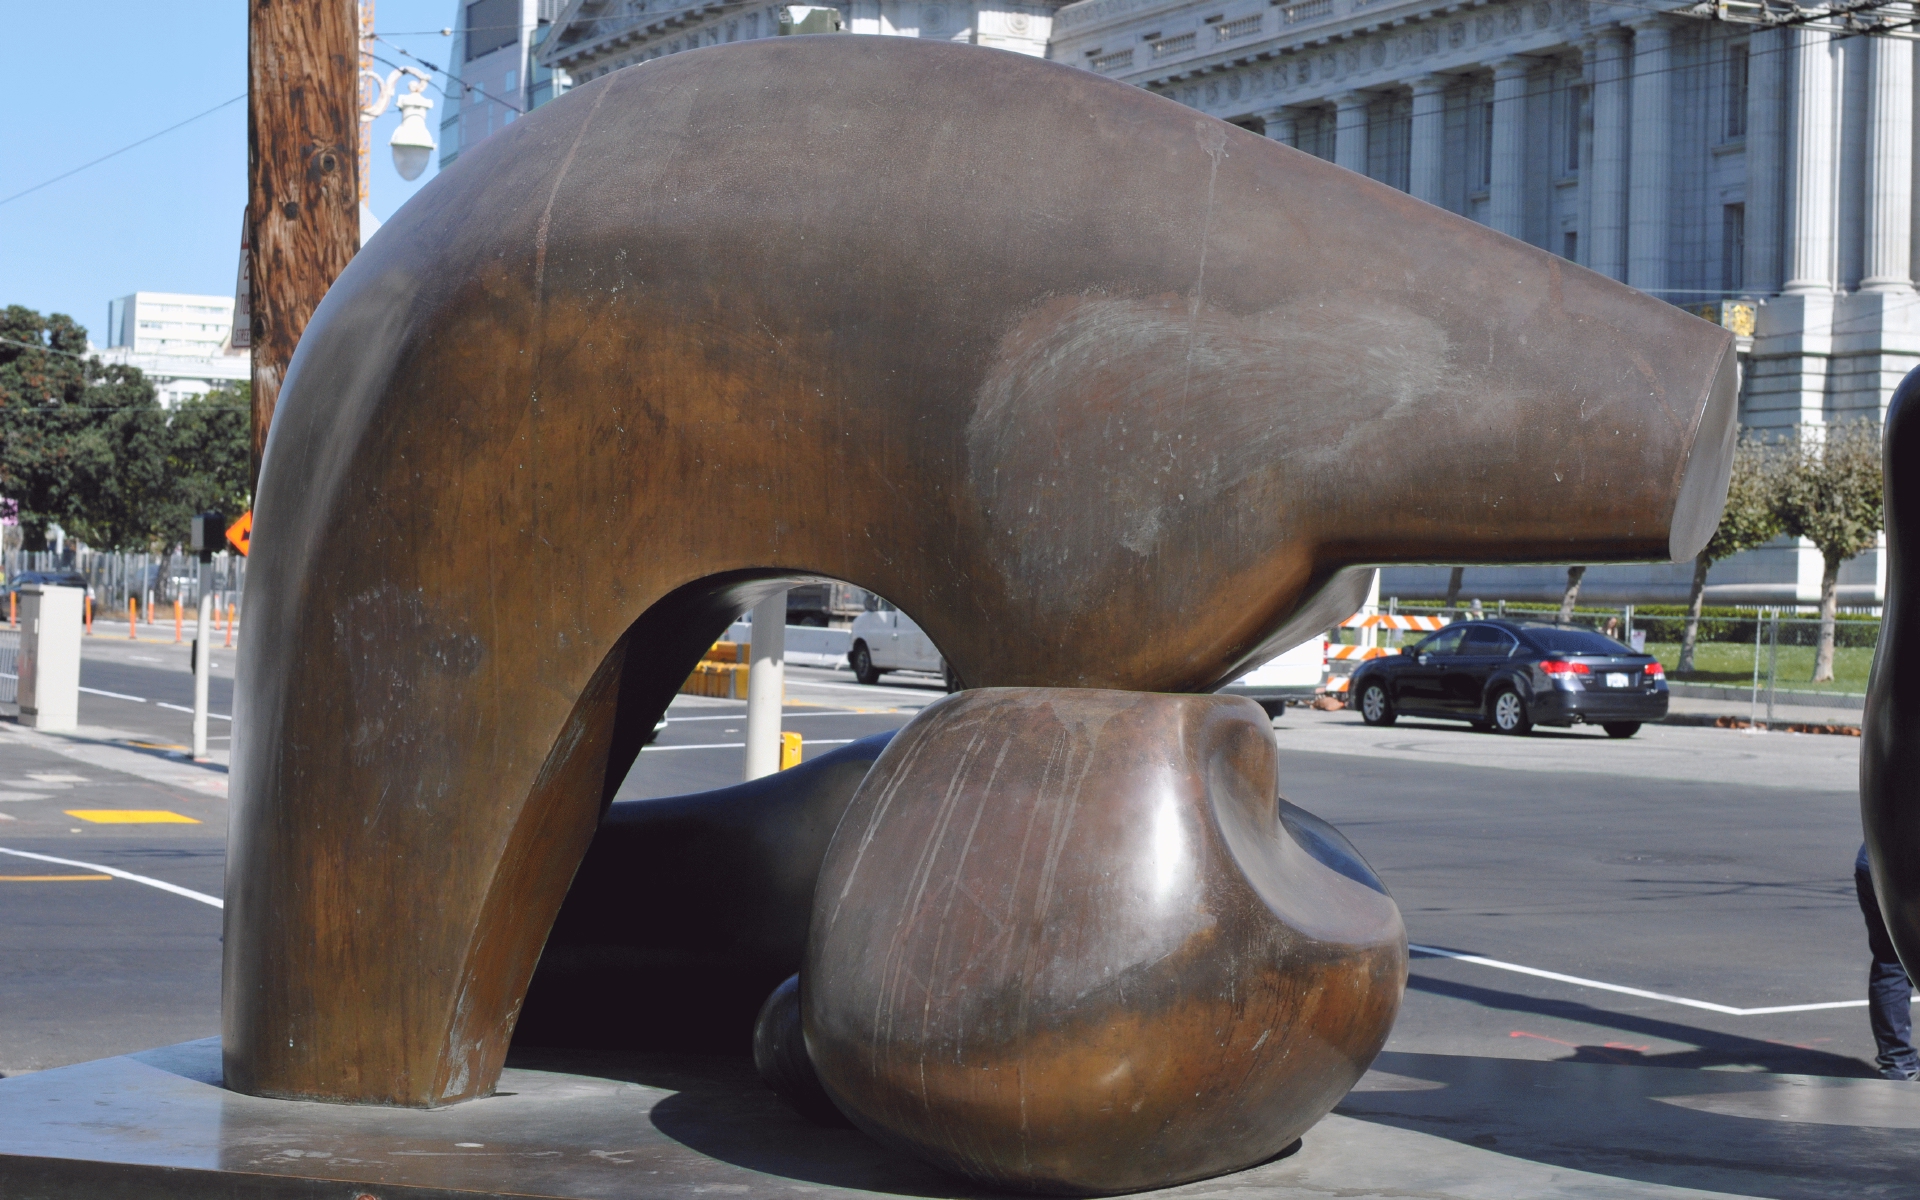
(1575, 641)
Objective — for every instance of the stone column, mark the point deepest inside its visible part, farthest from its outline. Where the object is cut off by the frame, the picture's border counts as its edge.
(1427, 170)
(1650, 168)
(1350, 130)
(1887, 259)
(1766, 85)
(1280, 125)
(1607, 241)
(1506, 185)
(1810, 146)
(1584, 199)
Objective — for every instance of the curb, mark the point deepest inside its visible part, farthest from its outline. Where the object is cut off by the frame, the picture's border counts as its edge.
(1703, 720)
(127, 753)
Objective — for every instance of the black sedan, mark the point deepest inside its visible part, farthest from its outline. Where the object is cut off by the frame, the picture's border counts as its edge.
(1511, 676)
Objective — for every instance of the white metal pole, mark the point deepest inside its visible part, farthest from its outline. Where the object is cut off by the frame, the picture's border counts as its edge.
(766, 685)
(202, 653)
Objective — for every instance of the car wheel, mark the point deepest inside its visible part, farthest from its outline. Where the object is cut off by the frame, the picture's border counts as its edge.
(1510, 712)
(1621, 729)
(951, 676)
(1375, 707)
(862, 663)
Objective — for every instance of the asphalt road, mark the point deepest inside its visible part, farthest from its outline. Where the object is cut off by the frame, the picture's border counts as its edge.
(145, 687)
(1711, 866)
(93, 966)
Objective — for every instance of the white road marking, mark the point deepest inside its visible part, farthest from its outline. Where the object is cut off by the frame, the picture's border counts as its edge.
(117, 873)
(1477, 960)
(743, 745)
(784, 716)
(872, 689)
(181, 708)
(114, 695)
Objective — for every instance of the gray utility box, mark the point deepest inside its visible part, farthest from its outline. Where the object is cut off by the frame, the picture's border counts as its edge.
(51, 622)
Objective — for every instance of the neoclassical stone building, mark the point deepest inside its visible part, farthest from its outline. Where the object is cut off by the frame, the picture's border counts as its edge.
(1763, 177)
(591, 37)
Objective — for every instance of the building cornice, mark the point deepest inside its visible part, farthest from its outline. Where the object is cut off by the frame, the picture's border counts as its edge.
(1381, 38)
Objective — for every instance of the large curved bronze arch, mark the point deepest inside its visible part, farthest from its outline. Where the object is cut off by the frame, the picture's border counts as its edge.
(1890, 747)
(1104, 392)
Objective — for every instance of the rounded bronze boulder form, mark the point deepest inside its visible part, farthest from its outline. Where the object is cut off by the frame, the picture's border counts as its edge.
(1073, 941)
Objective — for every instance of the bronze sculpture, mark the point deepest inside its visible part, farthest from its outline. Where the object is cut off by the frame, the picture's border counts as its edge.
(1889, 788)
(1072, 940)
(1106, 394)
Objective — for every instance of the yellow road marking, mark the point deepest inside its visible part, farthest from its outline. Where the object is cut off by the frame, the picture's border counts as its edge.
(130, 816)
(51, 878)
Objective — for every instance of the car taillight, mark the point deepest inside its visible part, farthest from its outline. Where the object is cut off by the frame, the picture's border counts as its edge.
(1555, 667)
(1655, 671)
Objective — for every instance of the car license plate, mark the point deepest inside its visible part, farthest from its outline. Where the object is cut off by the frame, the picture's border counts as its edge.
(1617, 679)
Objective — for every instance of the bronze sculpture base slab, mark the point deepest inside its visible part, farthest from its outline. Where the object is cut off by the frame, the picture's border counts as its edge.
(659, 1127)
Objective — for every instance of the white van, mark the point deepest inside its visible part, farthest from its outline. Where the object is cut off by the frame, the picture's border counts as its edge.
(1296, 675)
(886, 639)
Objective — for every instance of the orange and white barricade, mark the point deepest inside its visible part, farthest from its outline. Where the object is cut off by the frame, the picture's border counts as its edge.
(1395, 621)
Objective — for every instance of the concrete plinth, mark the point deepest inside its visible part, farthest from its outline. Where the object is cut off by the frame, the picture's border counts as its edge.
(158, 1125)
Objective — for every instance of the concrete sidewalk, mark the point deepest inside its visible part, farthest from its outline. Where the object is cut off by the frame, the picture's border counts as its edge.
(128, 753)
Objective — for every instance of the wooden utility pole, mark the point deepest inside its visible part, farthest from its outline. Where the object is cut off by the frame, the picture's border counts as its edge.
(303, 167)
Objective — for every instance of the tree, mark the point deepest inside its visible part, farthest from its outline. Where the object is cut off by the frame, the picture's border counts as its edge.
(117, 462)
(209, 441)
(86, 445)
(1829, 494)
(43, 406)
(1748, 520)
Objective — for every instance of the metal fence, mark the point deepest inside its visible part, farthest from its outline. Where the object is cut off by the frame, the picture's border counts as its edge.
(155, 580)
(9, 666)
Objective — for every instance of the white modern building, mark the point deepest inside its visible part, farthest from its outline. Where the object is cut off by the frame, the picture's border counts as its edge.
(182, 343)
(170, 323)
(500, 77)
(593, 37)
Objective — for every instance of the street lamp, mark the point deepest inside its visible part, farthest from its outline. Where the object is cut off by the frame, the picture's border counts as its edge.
(412, 143)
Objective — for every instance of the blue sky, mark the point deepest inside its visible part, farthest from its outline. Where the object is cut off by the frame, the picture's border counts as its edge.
(165, 216)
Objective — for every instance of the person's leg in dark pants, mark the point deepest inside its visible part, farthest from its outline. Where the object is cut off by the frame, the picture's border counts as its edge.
(1889, 991)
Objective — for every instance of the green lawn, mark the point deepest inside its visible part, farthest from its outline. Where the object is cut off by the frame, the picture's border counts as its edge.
(1732, 663)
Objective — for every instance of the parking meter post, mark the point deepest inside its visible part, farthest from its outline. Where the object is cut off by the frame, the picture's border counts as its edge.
(1773, 662)
(1753, 705)
(202, 652)
(766, 685)
(207, 529)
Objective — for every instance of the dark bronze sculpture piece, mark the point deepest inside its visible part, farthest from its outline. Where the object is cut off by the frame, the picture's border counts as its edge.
(1890, 727)
(687, 911)
(1073, 941)
(1104, 393)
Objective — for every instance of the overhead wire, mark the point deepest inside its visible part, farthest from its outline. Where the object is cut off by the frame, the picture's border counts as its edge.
(440, 70)
(122, 150)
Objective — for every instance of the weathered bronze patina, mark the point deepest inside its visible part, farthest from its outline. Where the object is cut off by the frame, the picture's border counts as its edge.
(1072, 940)
(1103, 392)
